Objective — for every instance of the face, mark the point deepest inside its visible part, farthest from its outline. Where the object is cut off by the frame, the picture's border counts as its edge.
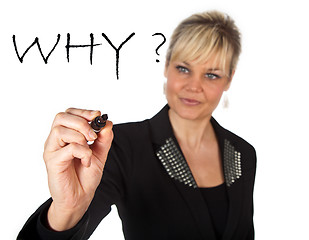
(193, 90)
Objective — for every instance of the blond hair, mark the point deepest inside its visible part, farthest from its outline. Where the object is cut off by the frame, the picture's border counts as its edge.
(204, 35)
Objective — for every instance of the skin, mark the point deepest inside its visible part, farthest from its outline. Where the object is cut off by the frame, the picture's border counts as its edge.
(193, 91)
(74, 168)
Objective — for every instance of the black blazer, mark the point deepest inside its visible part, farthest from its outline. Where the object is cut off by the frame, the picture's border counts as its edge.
(147, 177)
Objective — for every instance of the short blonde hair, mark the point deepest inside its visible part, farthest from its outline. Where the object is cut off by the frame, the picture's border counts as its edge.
(204, 35)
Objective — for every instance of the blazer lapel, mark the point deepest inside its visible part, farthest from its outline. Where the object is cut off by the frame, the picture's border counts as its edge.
(232, 173)
(169, 154)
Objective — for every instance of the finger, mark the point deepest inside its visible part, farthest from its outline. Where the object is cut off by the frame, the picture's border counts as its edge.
(76, 123)
(102, 145)
(62, 158)
(87, 114)
(104, 134)
(61, 136)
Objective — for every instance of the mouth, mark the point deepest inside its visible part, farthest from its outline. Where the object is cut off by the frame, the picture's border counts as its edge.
(190, 102)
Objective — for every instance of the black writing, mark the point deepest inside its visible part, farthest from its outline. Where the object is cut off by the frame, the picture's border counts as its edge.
(68, 46)
(36, 41)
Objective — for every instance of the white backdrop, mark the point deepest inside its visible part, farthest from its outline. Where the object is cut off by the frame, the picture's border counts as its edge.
(268, 97)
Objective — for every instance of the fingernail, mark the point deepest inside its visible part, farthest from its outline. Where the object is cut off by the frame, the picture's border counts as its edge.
(92, 134)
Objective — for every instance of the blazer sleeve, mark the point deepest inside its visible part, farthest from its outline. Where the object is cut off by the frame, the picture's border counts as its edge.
(110, 191)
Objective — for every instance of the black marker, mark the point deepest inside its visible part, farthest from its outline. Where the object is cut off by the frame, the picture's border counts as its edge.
(98, 123)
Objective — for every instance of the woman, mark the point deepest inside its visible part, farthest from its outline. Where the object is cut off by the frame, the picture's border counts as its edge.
(179, 175)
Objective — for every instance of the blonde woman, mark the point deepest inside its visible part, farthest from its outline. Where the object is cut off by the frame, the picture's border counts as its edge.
(178, 175)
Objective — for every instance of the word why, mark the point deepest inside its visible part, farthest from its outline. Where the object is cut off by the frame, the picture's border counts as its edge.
(68, 46)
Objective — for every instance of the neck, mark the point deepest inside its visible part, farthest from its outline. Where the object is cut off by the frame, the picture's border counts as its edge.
(192, 133)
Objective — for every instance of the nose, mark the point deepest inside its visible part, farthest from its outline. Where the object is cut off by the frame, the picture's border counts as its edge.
(194, 84)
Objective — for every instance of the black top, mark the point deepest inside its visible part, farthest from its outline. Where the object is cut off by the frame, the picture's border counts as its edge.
(148, 179)
(217, 202)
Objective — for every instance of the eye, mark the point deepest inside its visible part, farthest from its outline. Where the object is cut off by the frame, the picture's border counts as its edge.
(182, 69)
(212, 76)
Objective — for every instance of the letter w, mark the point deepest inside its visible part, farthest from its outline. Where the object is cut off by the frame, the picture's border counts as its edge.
(36, 41)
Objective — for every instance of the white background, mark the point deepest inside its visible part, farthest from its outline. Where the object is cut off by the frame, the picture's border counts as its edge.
(268, 97)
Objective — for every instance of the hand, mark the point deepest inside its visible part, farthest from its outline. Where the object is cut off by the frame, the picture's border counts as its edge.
(74, 168)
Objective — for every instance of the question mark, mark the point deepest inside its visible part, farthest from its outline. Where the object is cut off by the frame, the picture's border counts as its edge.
(164, 40)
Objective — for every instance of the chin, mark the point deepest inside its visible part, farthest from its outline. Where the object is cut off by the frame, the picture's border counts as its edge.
(191, 113)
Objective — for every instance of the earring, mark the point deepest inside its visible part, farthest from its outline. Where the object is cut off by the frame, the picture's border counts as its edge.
(164, 88)
(226, 102)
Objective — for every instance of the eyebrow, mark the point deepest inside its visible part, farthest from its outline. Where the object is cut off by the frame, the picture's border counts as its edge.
(215, 69)
(208, 69)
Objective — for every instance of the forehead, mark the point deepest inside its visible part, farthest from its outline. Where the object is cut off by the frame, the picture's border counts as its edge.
(214, 62)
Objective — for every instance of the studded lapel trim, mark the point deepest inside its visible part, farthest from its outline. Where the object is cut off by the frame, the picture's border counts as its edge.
(175, 164)
(177, 168)
(168, 151)
(232, 163)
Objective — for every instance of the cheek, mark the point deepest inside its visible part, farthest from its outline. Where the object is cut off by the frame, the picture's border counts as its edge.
(173, 86)
(170, 90)
(214, 93)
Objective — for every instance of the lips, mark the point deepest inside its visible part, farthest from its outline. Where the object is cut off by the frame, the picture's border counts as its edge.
(189, 101)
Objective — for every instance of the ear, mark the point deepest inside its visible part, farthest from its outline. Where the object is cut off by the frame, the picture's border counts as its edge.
(229, 81)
